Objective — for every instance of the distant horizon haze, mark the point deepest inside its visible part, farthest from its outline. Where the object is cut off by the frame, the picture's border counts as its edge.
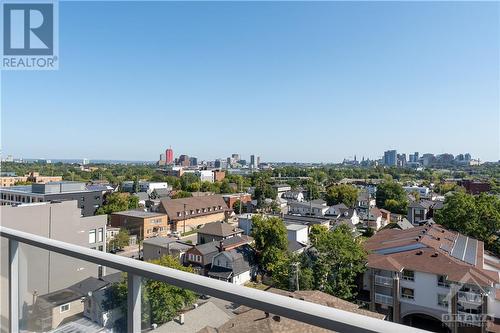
(288, 81)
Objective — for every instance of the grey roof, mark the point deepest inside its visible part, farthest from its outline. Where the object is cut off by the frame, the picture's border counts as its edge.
(307, 220)
(220, 229)
(307, 204)
(143, 196)
(404, 224)
(319, 202)
(346, 213)
(294, 226)
(161, 192)
(138, 213)
(242, 258)
(294, 246)
(171, 243)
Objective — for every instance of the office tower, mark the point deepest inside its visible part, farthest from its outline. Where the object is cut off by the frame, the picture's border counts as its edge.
(170, 156)
(390, 158)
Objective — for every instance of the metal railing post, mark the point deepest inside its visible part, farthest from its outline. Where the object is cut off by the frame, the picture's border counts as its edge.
(14, 285)
(134, 303)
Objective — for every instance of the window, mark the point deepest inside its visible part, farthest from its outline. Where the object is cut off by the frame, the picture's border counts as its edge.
(198, 258)
(407, 293)
(178, 214)
(442, 300)
(100, 234)
(443, 282)
(64, 308)
(408, 275)
(92, 236)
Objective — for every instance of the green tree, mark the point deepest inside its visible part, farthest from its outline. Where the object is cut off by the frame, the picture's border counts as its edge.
(340, 258)
(181, 194)
(161, 302)
(390, 190)
(120, 241)
(118, 202)
(346, 194)
(475, 216)
(271, 241)
(237, 206)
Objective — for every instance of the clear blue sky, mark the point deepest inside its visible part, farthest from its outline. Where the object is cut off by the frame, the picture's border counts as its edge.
(287, 81)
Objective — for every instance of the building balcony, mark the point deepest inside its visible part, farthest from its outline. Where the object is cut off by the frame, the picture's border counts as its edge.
(383, 281)
(469, 297)
(383, 299)
(59, 302)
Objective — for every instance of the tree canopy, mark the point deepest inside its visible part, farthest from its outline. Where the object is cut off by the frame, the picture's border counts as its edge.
(271, 241)
(391, 196)
(118, 202)
(475, 216)
(161, 302)
(346, 194)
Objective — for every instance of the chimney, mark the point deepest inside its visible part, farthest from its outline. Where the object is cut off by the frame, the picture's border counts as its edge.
(221, 244)
(181, 319)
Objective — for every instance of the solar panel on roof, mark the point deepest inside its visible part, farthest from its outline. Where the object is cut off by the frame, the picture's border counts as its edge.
(471, 251)
(459, 247)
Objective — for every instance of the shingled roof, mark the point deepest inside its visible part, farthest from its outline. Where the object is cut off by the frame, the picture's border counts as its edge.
(178, 209)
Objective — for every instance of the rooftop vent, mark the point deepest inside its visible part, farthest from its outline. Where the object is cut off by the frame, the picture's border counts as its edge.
(434, 255)
(277, 318)
(419, 252)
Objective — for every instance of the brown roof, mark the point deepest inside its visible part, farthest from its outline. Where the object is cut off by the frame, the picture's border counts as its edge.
(250, 320)
(174, 208)
(220, 229)
(426, 249)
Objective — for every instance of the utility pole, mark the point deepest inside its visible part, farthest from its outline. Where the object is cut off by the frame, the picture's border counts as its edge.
(184, 227)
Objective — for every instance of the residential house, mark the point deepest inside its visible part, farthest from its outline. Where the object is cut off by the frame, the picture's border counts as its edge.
(298, 237)
(293, 196)
(217, 231)
(428, 273)
(374, 219)
(231, 199)
(237, 265)
(282, 189)
(157, 247)
(419, 210)
(51, 310)
(200, 256)
(307, 208)
(336, 210)
(189, 213)
(141, 223)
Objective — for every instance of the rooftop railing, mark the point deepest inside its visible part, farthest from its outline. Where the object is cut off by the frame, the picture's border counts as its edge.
(306, 312)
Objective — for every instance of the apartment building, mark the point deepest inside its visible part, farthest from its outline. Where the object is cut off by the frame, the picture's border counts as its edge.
(89, 200)
(141, 223)
(307, 208)
(34, 177)
(42, 272)
(433, 275)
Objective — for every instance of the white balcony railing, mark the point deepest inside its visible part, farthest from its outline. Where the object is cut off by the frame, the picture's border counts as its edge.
(383, 299)
(306, 312)
(469, 297)
(383, 281)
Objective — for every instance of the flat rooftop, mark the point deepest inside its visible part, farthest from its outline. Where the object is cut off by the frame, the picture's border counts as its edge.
(138, 213)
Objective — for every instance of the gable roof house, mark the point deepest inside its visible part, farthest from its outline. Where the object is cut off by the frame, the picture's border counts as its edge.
(200, 256)
(216, 231)
(236, 265)
(189, 213)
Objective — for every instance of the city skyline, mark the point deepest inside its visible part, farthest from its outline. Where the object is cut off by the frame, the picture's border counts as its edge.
(424, 75)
